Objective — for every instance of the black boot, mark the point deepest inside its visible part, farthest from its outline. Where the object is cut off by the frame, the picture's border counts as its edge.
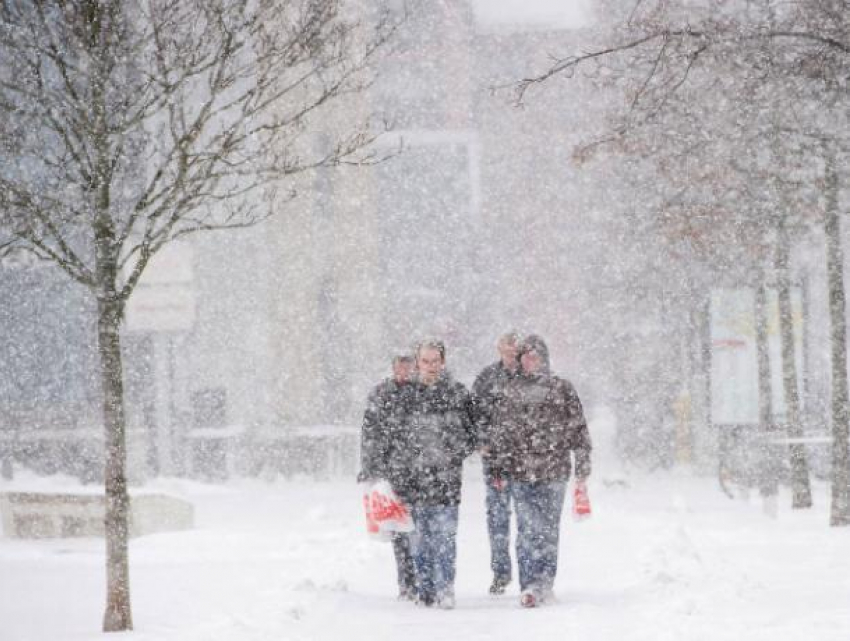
(499, 584)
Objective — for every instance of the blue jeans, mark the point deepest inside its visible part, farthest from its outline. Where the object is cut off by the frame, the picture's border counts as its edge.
(499, 527)
(434, 547)
(538, 511)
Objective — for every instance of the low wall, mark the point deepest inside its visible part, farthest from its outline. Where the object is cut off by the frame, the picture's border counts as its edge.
(77, 451)
(35, 515)
(319, 452)
(212, 454)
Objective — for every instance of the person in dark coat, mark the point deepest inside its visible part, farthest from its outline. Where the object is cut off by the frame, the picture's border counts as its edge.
(538, 427)
(381, 423)
(486, 390)
(427, 464)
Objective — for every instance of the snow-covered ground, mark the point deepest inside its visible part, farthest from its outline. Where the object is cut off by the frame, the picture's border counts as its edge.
(665, 556)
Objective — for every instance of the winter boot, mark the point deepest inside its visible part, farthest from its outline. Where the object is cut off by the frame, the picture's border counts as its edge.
(528, 599)
(407, 594)
(499, 584)
(446, 600)
(424, 600)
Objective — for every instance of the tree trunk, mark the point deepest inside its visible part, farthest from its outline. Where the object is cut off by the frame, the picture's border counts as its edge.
(768, 473)
(801, 492)
(706, 359)
(100, 19)
(840, 507)
(118, 615)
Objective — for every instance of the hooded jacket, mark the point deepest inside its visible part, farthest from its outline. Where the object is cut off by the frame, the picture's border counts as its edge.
(538, 422)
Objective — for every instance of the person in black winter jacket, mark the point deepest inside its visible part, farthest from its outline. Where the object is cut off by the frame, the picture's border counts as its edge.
(426, 464)
(381, 423)
(486, 391)
(538, 428)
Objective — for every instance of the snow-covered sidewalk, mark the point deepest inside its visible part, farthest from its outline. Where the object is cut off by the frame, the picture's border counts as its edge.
(666, 557)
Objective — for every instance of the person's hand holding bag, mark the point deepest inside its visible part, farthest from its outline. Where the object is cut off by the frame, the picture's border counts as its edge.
(581, 501)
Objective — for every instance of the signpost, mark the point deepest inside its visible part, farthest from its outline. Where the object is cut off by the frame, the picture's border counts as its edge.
(734, 365)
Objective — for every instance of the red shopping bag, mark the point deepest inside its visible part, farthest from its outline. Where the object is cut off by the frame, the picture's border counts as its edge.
(385, 512)
(581, 502)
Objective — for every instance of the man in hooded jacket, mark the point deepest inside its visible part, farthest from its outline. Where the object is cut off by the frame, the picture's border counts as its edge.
(537, 428)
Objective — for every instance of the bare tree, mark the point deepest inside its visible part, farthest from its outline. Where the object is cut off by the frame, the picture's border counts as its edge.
(840, 508)
(659, 50)
(126, 125)
(767, 476)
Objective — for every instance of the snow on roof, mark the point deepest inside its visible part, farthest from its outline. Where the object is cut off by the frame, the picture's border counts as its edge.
(530, 15)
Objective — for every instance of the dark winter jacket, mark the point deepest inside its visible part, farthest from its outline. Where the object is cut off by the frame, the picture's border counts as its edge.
(486, 390)
(381, 421)
(537, 423)
(436, 434)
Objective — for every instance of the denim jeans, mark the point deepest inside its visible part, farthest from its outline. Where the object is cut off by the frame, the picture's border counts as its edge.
(434, 547)
(499, 527)
(538, 510)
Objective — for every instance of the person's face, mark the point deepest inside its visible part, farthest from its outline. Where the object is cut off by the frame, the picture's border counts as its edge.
(430, 364)
(402, 371)
(508, 352)
(531, 362)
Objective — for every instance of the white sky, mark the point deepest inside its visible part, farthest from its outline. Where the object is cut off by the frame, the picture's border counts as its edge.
(514, 15)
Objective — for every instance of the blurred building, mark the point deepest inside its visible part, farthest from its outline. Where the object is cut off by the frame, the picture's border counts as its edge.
(473, 227)
(479, 223)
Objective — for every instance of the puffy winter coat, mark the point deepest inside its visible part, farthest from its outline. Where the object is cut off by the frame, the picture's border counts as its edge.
(381, 423)
(486, 390)
(537, 423)
(435, 435)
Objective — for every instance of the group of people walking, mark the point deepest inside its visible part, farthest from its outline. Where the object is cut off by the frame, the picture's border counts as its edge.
(527, 424)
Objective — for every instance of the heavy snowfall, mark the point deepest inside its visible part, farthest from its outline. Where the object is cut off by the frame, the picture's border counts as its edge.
(665, 556)
(221, 221)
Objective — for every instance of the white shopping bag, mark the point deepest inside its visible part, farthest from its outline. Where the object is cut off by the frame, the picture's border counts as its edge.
(385, 512)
